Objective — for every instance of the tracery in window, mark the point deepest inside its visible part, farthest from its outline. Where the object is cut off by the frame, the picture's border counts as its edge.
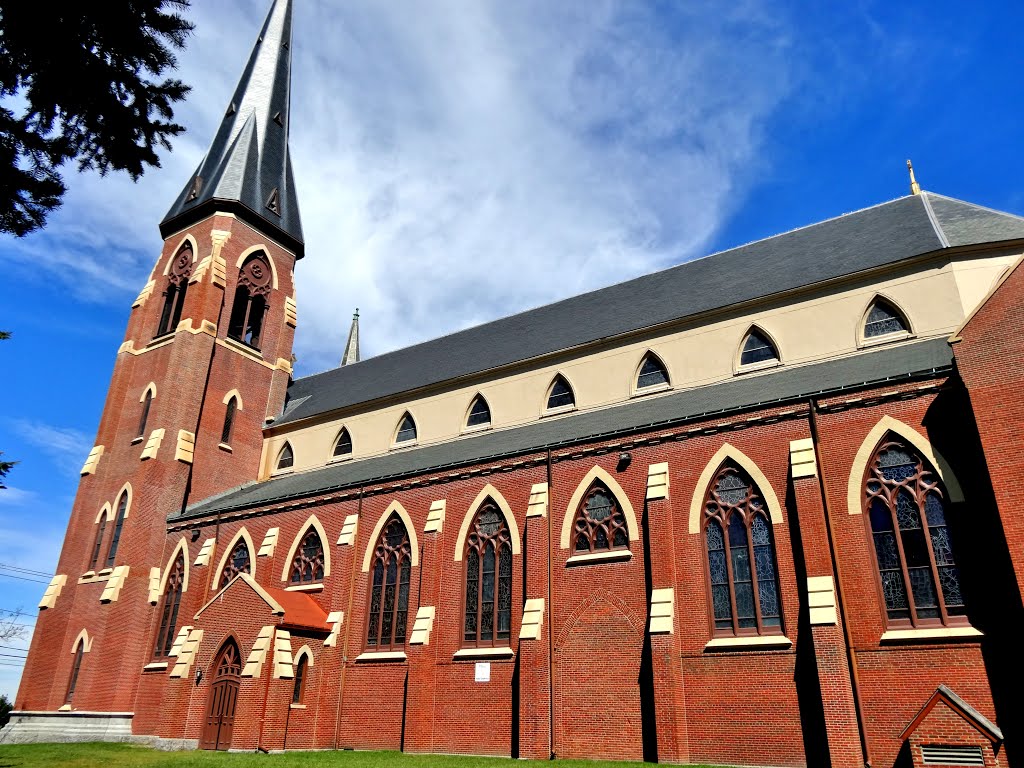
(229, 420)
(76, 668)
(758, 348)
(652, 373)
(174, 294)
(308, 563)
(255, 279)
(286, 458)
(883, 318)
(299, 683)
(907, 508)
(169, 607)
(239, 561)
(406, 430)
(115, 539)
(560, 395)
(740, 550)
(600, 523)
(343, 445)
(98, 544)
(147, 401)
(389, 587)
(488, 597)
(479, 413)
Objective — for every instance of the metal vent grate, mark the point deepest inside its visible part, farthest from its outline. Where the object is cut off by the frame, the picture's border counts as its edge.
(939, 754)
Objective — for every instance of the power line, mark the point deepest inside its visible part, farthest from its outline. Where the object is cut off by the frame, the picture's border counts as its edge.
(12, 656)
(10, 664)
(13, 648)
(23, 578)
(7, 567)
(17, 612)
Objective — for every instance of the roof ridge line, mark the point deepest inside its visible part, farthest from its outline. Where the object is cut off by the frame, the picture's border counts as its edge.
(939, 232)
(975, 205)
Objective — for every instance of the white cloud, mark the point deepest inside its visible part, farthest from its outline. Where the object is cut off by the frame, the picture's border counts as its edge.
(459, 161)
(66, 446)
(15, 497)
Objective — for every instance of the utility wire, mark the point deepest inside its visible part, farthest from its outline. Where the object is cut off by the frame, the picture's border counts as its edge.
(23, 578)
(7, 567)
(12, 656)
(17, 612)
(13, 648)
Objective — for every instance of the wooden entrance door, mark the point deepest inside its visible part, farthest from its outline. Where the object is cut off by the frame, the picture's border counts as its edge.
(220, 715)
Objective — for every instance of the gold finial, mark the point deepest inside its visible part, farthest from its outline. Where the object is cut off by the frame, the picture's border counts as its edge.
(915, 188)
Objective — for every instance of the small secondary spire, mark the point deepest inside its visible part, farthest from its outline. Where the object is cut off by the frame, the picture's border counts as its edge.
(351, 354)
(915, 188)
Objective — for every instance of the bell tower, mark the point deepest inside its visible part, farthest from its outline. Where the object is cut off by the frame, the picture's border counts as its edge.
(206, 359)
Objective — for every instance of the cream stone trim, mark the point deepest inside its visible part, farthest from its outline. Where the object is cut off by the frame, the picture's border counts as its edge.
(435, 517)
(304, 588)
(753, 642)
(277, 460)
(269, 543)
(334, 620)
(238, 398)
(182, 548)
(246, 352)
(92, 460)
(597, 473)
(634, 390)
(802, 460)
(537, 506)
(152, 444)
(144, 294)
(187, 654)
(396, 508)
(382, 656)
(112, 589)
(125, 489)
(258, 655)
(737, 367)
(821, 600)
(912, 436)
(154, 585)
(863, 341)
(662, 610)
(129, 347)
(348, 530)
(105, 511)
(284, 365)
(311, 522)
(151, 387)
(423, 625)
(488, 492)
(608, 556)
(996, 285)
(53, 591)
(203, 558)
(218, 237)
(724, 453)
(266, 252)
(657, 481)
(291, 313)
(544, 410)
(930, 633)
(306, 651)
(185, 449)
(275, 607)
(179, 641)
(242, 535)
(533, 619)
(85, 640)
(188, 238)
(155, 666)
(283, 669)
(498, 652)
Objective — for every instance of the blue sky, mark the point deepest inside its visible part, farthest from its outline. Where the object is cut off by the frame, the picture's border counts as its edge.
(460, 161)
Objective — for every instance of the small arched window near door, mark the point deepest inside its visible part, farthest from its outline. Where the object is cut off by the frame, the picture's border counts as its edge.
(301, 673)
(758, 349)
(883, 319)
(560, 394)
(488, 603)
(76, 668)
(652, 373)
(600, 524)
(255, 279)
(174, 295)
(389, 587)
(740, 549)
(907, 509)
(308, 563)
(115, 539)
(286, 458)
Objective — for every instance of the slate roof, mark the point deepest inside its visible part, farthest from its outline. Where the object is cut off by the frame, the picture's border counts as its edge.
(249, 157)
(882, 364)
(883, 234)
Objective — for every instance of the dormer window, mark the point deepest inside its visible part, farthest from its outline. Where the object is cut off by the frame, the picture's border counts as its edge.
(255, 279)
(560, 395)
(652, 373)
(884, 319)
(343, 445)
(406, 430)
(758, 349)
(479, 413)
(286, 458)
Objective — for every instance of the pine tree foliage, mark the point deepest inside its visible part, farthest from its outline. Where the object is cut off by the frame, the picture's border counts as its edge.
(82, 82)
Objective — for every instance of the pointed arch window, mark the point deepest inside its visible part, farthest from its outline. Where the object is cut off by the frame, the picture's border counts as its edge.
(884, 319)
(652, 373)
(98, 544)
(740, 548)
(389, 587)
(174, 294)
(560, 395)
(76, 668)
(406, 430)
(600, 523)
(169, 607)
(308, 563)
(229, 420)
(907, 511)
(479, 413)
(115, 539)
(299, 683)
(758, 348)
(147, 401)
(488, 597)
(343, 445)
(255, 279)
(286, 458)
(239, 561)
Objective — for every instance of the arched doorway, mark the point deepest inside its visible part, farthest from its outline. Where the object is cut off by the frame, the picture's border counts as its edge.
(220, 714)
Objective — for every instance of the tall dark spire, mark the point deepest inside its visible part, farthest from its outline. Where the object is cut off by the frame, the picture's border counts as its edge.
(247, 169)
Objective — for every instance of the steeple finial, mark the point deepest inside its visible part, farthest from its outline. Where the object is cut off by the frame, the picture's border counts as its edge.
(247, 169)
(915, 188)
(351, 354)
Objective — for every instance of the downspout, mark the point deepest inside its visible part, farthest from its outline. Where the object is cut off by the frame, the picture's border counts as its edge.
(551, 622)
(347, 620)
(851, 653)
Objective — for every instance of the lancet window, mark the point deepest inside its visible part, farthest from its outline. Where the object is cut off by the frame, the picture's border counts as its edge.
(560, 395)
(299, 683)
(479, 413)
(488, 598)
(757, 348)
(389, 587)
(255, 279)
(308, 563)
(115, 539)
(229, 421)
(652, 373)
(883, 319)
(169, 607)
(147, 401)
(600, 523)
(343, 445)
(239, 561)
(98, 544)
(76, 668)
(174, 294)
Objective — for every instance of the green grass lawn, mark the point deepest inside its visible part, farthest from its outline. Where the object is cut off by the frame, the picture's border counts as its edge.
(109, 755)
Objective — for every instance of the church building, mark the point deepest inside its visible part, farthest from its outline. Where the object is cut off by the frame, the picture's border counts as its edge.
(760, 508)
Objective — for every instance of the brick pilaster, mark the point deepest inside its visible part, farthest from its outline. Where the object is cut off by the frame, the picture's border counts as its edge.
(535, 652)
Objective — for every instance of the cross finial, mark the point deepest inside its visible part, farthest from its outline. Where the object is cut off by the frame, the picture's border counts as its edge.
(915, 188)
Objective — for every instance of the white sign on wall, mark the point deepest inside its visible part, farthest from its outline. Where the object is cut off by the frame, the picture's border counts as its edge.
(483, 672)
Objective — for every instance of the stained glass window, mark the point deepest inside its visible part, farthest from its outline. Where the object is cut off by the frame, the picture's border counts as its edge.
(652, 373)
(740, 548)
(479, 413)
(308, 563)
(488, 579)
(286, 458)
(757, 348)
(560, 395)
(600, 523)
(406, 430)
(343, 445)
(239, 561)
(389, 587)
(169, 607)
(907, 511)
(883, 319)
